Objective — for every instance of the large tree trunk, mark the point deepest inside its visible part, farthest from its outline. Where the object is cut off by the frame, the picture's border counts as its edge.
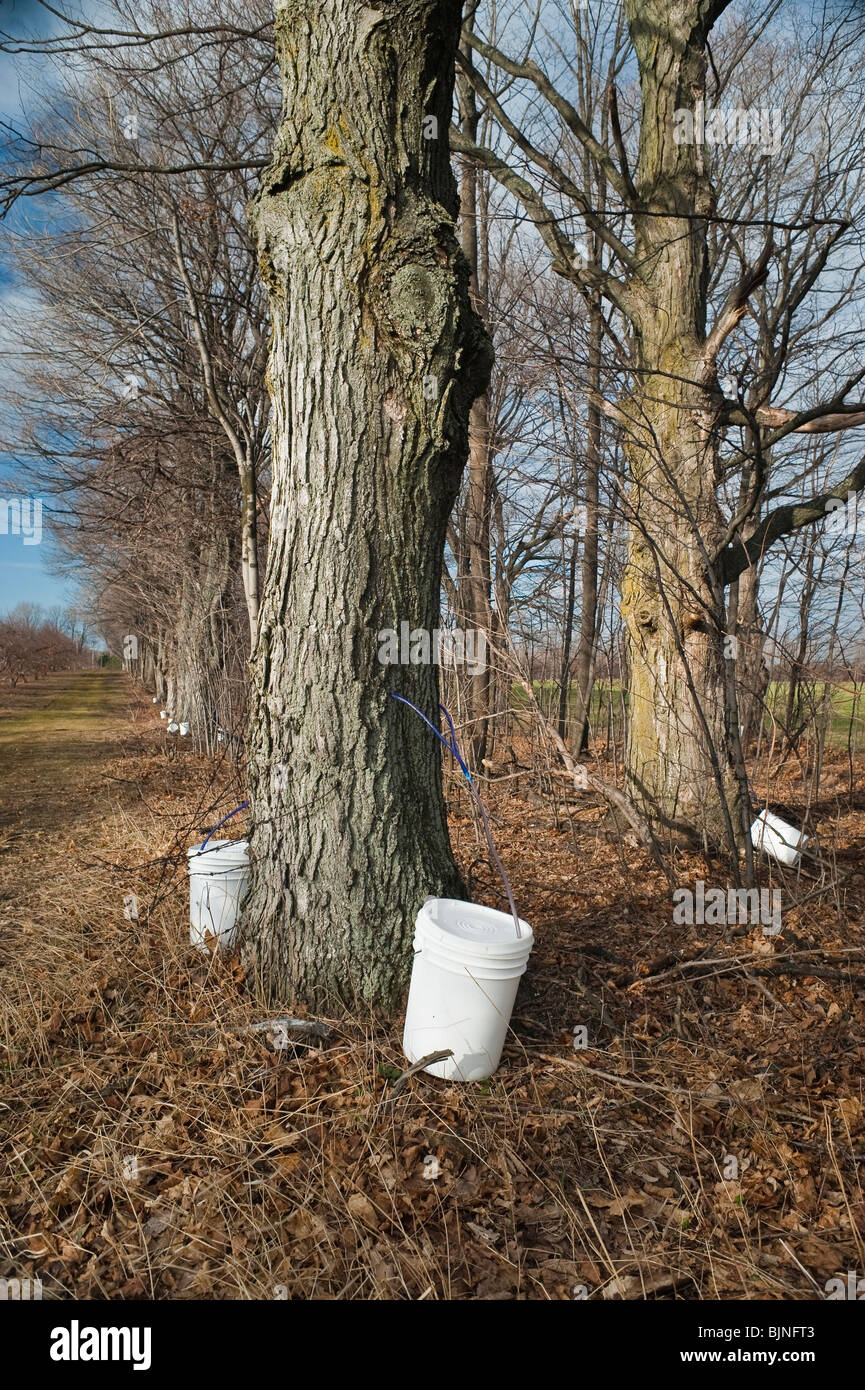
(243, 451)
(474, 579)
(249, 540)
(679, 758)
(475, 586)
(743, 611)
(587, 645)
(567, 635)
(376, 358)
(752, 673)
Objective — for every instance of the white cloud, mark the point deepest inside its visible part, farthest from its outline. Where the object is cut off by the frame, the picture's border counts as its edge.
(24, 75)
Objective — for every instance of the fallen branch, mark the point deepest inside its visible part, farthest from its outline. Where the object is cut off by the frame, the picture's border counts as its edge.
(404, 1077)
(796, 968)
(583, 778)
(738, 962)
(642, 1085)
(818, 971)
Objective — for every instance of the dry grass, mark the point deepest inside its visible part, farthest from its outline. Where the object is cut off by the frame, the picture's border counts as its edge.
(153, 1148)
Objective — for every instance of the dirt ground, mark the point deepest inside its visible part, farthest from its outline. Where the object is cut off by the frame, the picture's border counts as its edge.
(704, 1143)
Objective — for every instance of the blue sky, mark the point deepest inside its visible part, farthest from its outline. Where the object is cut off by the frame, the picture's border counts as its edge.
(17, 17)
(28, 581)
(25, 574)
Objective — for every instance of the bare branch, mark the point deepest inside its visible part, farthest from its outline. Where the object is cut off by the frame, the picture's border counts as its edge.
(566, 261)
(735, 306)
(532, 73)
(785, 521)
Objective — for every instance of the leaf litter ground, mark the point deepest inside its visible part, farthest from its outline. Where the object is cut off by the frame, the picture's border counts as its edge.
(704, 1143)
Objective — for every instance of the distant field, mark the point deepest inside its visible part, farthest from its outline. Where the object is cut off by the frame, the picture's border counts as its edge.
(847, 701)
(846, 720)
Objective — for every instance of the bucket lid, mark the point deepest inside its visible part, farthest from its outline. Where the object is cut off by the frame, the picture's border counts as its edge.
(219, 854)
(467, 929)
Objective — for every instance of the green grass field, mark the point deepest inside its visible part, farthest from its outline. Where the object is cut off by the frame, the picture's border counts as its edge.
(846, 712)
(846, 703)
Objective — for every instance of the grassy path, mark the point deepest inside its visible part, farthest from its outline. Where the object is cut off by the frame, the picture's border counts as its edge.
(54, 736)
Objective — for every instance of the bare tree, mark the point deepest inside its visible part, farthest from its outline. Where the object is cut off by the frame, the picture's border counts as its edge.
(683, 762)
(371, 394)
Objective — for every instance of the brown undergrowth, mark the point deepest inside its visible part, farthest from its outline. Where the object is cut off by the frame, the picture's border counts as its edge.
(703, 1144)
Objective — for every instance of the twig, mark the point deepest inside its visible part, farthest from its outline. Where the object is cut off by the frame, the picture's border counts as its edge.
(802, 1267)
(427, 1061)
(767, 993)
(582, 778)
(643, 1085)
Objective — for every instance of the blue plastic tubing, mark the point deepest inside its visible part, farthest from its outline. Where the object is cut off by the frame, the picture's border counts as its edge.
(451, 745)
(222, 822)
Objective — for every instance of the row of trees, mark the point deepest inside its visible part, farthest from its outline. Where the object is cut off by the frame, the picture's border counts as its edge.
(609, 256)
(143, 409)
(33, 643)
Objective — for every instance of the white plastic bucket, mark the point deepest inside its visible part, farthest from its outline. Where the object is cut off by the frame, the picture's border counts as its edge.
(778, 839)
(219, 877)
(184, 730)
(467, 967)
(163, 714)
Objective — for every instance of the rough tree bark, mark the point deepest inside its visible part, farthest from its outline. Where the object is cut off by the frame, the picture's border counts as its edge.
(376, 358)
(587, 645)
(474, 580)
(752, 673)
(680, 768)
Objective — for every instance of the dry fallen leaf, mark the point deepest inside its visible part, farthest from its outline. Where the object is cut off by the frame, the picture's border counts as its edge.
(362, 1209)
